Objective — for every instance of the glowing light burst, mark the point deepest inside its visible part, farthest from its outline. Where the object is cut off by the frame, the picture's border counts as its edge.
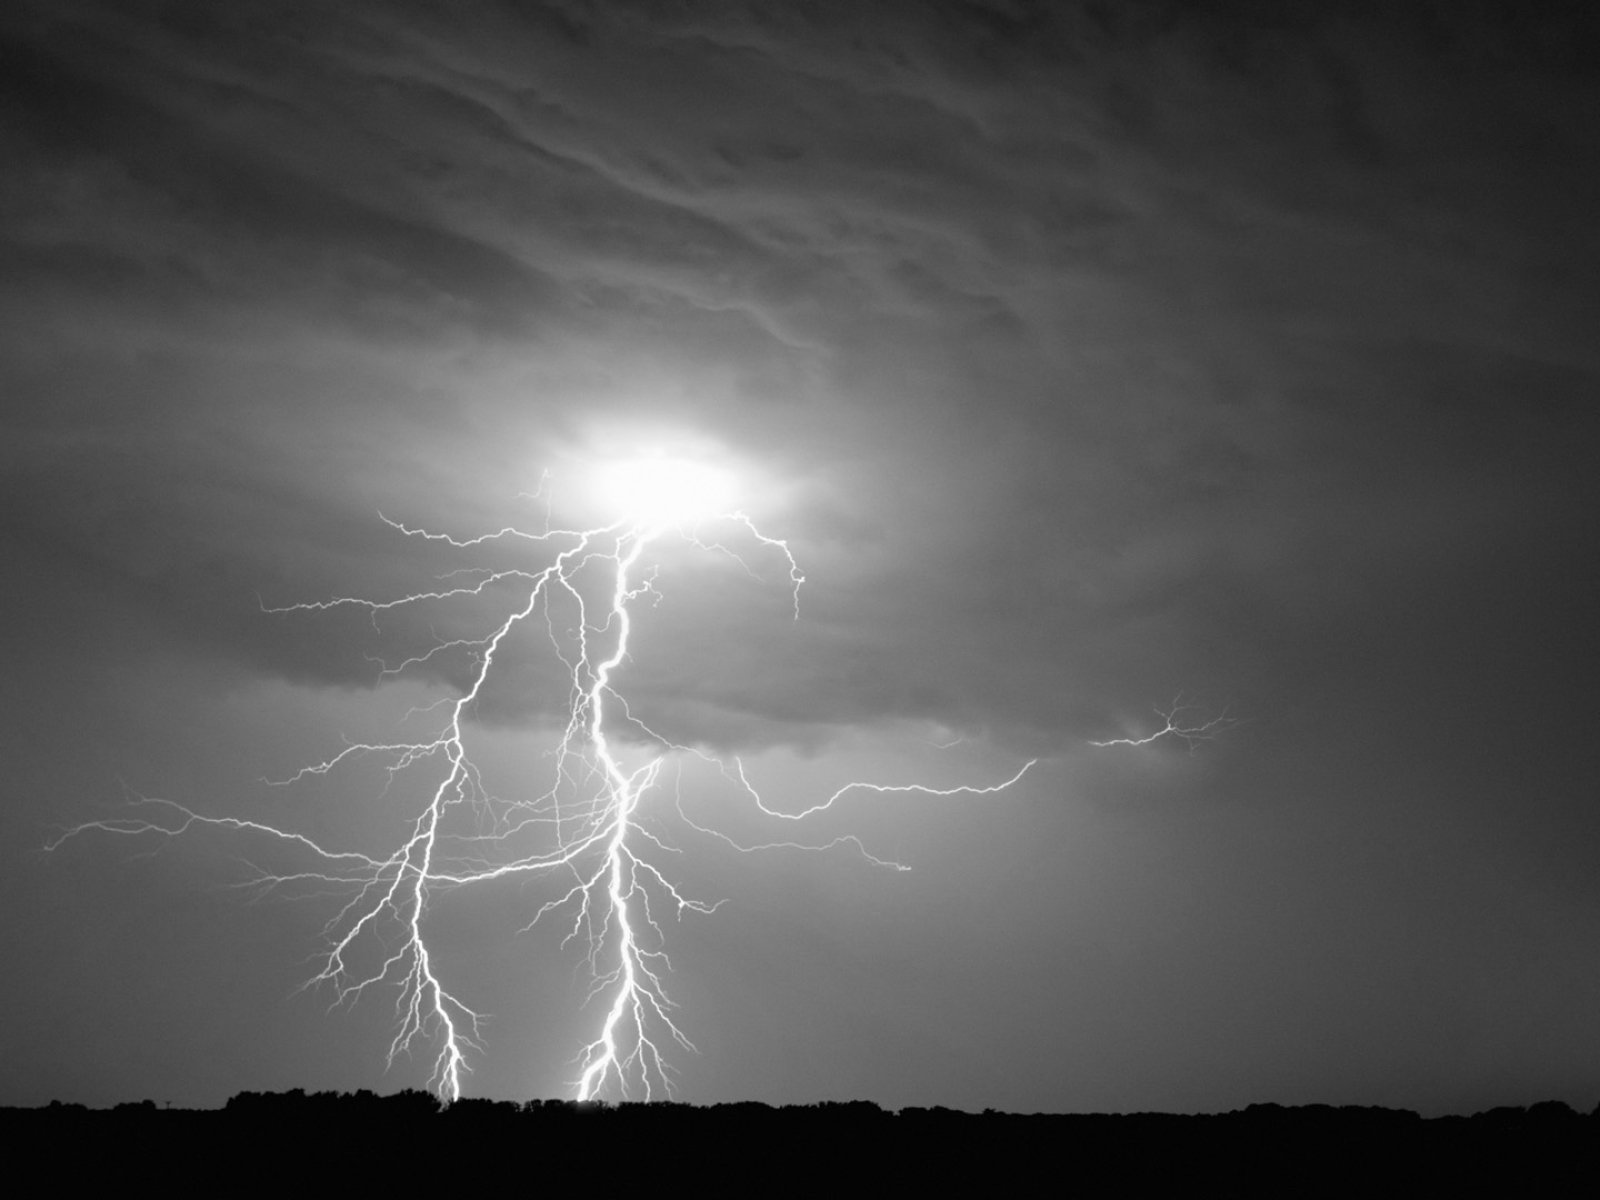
(657, 493)
(583, 829)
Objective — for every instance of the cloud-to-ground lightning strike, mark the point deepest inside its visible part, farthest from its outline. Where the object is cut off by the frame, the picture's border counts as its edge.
(584, 827)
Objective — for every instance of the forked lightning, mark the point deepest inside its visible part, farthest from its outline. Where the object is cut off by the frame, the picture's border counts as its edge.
(583, 829)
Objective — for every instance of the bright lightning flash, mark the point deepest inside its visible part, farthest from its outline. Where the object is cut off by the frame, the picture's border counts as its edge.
(585, 828)
(657, 493)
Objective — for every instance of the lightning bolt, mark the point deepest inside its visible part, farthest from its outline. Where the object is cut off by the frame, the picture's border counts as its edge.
(585, 827)
(1174, 724)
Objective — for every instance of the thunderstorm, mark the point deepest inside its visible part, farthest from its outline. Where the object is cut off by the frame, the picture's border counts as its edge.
(582, 831)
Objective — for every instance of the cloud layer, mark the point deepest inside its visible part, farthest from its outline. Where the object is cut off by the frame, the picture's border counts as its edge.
(1089, 355)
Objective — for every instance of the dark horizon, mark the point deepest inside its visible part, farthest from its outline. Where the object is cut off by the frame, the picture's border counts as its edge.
(413, 1102)
(1266, 1149)
(1091, 360)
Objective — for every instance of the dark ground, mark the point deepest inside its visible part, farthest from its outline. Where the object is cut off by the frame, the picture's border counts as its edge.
(334, 1141)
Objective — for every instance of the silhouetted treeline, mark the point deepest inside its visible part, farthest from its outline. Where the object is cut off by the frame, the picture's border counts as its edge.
(1317, 1150)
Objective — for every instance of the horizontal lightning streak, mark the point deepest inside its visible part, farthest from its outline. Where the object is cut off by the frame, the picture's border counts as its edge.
(1175, 725)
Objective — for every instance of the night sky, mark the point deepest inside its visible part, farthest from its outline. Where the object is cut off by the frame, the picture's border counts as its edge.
(1089, 356)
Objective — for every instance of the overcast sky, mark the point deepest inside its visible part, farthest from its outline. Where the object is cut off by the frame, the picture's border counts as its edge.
(1088, 356)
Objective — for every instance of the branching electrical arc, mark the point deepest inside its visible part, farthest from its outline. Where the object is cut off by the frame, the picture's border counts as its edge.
(1178, 724)
(582, 831)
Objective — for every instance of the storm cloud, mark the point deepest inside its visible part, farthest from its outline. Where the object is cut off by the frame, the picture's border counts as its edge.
(1096, 355)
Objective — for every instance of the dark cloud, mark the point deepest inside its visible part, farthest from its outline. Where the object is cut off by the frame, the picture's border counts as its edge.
(1105, 353)
(1098, 307)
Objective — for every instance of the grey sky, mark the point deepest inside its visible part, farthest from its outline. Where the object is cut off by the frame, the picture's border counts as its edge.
(1086, 361)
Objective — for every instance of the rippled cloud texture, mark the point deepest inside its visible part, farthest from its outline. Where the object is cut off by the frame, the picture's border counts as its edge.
(1088, 355)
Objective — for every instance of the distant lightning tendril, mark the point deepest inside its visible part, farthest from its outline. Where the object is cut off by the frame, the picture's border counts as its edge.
(1176, 724)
